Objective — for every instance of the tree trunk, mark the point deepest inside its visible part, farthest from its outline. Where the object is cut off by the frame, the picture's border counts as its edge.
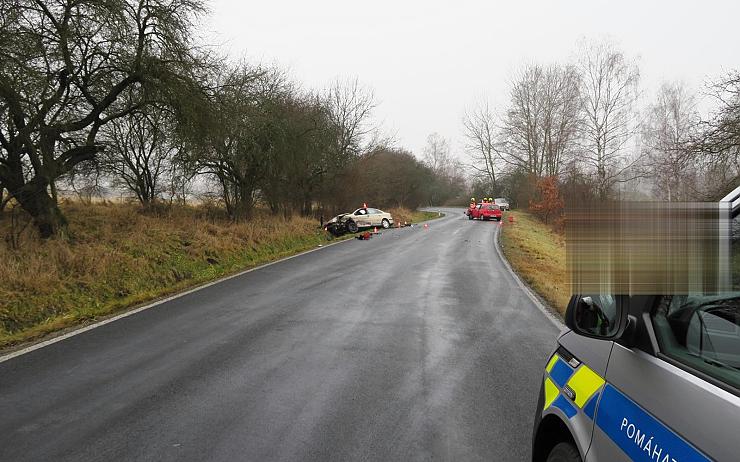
(307, 207)
(46, 215)
(244, 203)
(602, 187)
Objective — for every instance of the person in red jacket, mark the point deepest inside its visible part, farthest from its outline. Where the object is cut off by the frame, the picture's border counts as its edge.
(471, 206)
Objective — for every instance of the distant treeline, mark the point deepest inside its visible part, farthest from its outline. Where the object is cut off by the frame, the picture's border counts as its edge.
(581, 131)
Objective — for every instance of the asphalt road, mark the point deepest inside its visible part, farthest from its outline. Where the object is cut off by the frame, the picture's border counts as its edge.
(415, 345)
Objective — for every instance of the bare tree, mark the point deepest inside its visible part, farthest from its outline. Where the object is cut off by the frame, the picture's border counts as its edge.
(437, 154)
(64, 67)
(350, 106)
(481, 143)
(608, 91)
(447, 171)
(562, 117)
(232, 136)
(301, 160)
(521, 129)
(541, 124)
(140, 152)
(718, 142)
(86, 182)
(181, 178)
(670, 126)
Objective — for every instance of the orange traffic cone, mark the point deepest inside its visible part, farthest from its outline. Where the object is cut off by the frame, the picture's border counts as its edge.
(426, 226)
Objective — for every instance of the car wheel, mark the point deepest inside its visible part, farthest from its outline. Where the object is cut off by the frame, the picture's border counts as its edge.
(352, 226)
(564, 452)
(470, 217)
(385, 223)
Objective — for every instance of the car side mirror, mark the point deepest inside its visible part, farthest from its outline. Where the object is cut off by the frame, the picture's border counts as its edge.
(596, 316)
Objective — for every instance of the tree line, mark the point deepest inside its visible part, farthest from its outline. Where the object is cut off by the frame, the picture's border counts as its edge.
(581, 128)
(119, 93)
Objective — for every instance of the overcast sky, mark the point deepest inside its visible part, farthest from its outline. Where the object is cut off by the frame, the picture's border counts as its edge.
(426, 61)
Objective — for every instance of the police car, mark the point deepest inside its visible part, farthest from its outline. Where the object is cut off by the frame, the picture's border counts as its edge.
(647, 378)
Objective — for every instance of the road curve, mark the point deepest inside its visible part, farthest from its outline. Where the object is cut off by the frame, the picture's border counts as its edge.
(415, 345)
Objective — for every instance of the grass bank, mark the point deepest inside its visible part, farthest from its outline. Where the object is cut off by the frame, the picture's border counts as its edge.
(537, 254)
(120, 257)
(401, 215)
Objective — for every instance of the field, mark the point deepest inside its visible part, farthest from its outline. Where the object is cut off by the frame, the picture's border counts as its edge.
(119, 257)
(537, 254)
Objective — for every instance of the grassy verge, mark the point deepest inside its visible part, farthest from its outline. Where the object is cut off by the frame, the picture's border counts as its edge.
(401, 215)
(537, 254)
(120, 257)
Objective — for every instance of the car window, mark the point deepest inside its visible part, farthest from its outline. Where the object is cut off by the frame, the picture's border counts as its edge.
(735, 253)
(373, 211)
(361, 212)
(702, 332)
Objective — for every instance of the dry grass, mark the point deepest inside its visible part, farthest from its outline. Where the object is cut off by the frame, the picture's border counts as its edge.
(119, 256)
(537, 254)
(401, 215)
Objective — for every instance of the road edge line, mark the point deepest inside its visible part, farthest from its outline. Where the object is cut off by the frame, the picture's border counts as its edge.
(125, 314)
(544, 308)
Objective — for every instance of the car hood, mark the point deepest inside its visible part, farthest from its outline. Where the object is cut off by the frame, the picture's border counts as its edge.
(338, 218)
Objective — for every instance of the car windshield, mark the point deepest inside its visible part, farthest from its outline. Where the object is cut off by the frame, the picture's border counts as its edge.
(490, 207)
(501, 200)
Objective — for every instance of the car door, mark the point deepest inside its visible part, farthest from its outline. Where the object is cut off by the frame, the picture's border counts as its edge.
(374, 216)
(362, 218)
(579, 390)
(675, 393)
(677, 402)
(576, 372)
